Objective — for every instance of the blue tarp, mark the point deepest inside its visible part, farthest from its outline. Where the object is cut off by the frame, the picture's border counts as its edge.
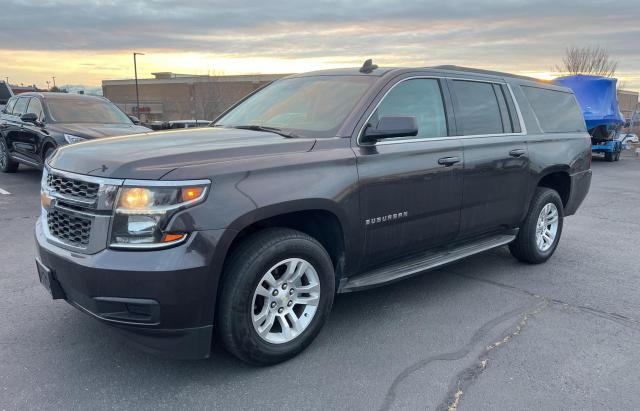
(597, 98)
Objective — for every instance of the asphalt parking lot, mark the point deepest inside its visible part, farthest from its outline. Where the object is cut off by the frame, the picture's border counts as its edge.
(485, 333)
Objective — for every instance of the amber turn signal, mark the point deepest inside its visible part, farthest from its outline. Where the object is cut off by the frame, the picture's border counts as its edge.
(169, 237)
(191, 193)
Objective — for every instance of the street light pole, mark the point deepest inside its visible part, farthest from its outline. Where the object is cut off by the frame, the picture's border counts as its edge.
(135, 70)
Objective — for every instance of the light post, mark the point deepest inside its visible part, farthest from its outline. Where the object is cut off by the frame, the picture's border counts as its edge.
(135, 70)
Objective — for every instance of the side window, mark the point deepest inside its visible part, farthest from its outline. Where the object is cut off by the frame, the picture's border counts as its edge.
(12, 102)
(35, 107)
(21, 106)
(421, 98)
(478, 109)
(557, 111)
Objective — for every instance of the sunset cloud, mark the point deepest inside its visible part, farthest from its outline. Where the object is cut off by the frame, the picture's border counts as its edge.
(86, 41)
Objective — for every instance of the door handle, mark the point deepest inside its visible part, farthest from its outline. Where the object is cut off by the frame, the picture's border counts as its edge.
(448, 161)
(518, 152)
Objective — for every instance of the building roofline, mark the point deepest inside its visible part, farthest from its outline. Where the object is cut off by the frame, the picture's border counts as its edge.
(182, 79)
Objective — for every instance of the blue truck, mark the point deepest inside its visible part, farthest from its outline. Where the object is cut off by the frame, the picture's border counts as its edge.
(599, 103)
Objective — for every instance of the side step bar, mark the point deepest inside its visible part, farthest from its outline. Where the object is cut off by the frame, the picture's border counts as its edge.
(422, 262)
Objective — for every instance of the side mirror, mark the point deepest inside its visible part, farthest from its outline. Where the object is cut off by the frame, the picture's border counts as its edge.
(392, 127)
(627, 124)
(29, 118)
(135, 120)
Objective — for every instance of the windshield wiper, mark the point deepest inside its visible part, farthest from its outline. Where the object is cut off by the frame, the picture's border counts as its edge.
(268, 129)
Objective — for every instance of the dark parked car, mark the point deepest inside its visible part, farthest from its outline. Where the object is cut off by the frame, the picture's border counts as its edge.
(33, 125)
(5, 94)
(324, 182)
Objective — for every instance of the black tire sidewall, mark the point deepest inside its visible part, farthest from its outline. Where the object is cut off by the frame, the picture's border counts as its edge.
(237, 298)
(10, 166)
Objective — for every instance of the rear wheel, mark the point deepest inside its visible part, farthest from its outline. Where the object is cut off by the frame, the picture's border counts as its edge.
(276, 294)
(540, 233)
(7, 164)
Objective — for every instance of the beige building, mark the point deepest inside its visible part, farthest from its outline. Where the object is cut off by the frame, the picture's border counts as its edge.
(628, 104)
(171, 96)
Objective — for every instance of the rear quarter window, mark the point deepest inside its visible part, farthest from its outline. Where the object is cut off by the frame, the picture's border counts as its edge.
(557, 111)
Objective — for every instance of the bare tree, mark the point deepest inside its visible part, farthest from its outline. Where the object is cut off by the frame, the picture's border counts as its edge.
(588, 60)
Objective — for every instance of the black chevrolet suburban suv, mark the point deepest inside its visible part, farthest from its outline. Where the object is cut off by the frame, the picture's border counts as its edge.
(320, 183)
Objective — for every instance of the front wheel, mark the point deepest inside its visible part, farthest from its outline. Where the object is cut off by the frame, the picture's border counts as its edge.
(7, 165)
(276, 294)
(540, 232)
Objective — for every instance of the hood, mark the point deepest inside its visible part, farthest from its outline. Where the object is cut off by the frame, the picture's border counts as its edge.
(91, 131)
(150, 156)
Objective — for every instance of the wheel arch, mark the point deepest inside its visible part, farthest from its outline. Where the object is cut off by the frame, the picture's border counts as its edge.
(45, 145)
(321, 219)
(558, 179)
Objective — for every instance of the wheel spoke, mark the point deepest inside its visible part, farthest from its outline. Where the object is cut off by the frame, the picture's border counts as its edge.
(261, 290)
(294, 320)
(266, 327)
(287, 333)
(311, 300)
(270, 279)
(296, 269)
(310, 288)
(259, 318)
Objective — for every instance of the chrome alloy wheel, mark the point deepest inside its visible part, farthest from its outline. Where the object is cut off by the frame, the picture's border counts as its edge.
(547, 227)
(285, 300)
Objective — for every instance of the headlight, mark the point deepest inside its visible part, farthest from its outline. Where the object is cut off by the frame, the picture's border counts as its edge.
(142, 213)
(73, 139)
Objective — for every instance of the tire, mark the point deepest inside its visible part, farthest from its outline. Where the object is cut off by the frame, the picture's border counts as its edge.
(239, 302)
(7, 165)
(609, 156)
(526, 246)
(617, 157)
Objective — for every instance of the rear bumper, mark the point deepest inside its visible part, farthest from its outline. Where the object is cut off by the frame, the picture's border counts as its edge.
(580, 184)
(162, 300)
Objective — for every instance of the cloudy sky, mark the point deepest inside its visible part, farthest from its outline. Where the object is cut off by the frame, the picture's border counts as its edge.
(85, 41)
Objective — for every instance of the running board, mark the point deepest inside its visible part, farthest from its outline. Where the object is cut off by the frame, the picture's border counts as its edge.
(422, 262)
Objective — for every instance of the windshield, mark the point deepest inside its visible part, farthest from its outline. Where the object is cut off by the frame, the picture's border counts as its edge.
(306, 106)
(86, 111)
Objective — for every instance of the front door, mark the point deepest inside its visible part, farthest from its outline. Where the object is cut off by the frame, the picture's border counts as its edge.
(20, 135)
(410, 187)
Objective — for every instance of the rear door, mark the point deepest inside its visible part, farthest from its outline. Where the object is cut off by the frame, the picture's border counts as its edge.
(496, 160)
(408, 200)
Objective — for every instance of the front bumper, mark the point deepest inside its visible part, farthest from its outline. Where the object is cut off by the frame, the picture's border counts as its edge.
(163, 300)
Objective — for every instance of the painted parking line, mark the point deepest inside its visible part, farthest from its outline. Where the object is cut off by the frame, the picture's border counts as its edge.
(3, 191)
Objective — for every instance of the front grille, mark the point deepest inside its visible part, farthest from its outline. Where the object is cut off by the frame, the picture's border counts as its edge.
(74, 188)
(72, 229)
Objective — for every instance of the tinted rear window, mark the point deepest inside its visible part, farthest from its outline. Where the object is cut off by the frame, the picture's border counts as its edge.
(557, 111)
(478, 110)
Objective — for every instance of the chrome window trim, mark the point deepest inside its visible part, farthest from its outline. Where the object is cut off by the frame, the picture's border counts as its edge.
(523, 128)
